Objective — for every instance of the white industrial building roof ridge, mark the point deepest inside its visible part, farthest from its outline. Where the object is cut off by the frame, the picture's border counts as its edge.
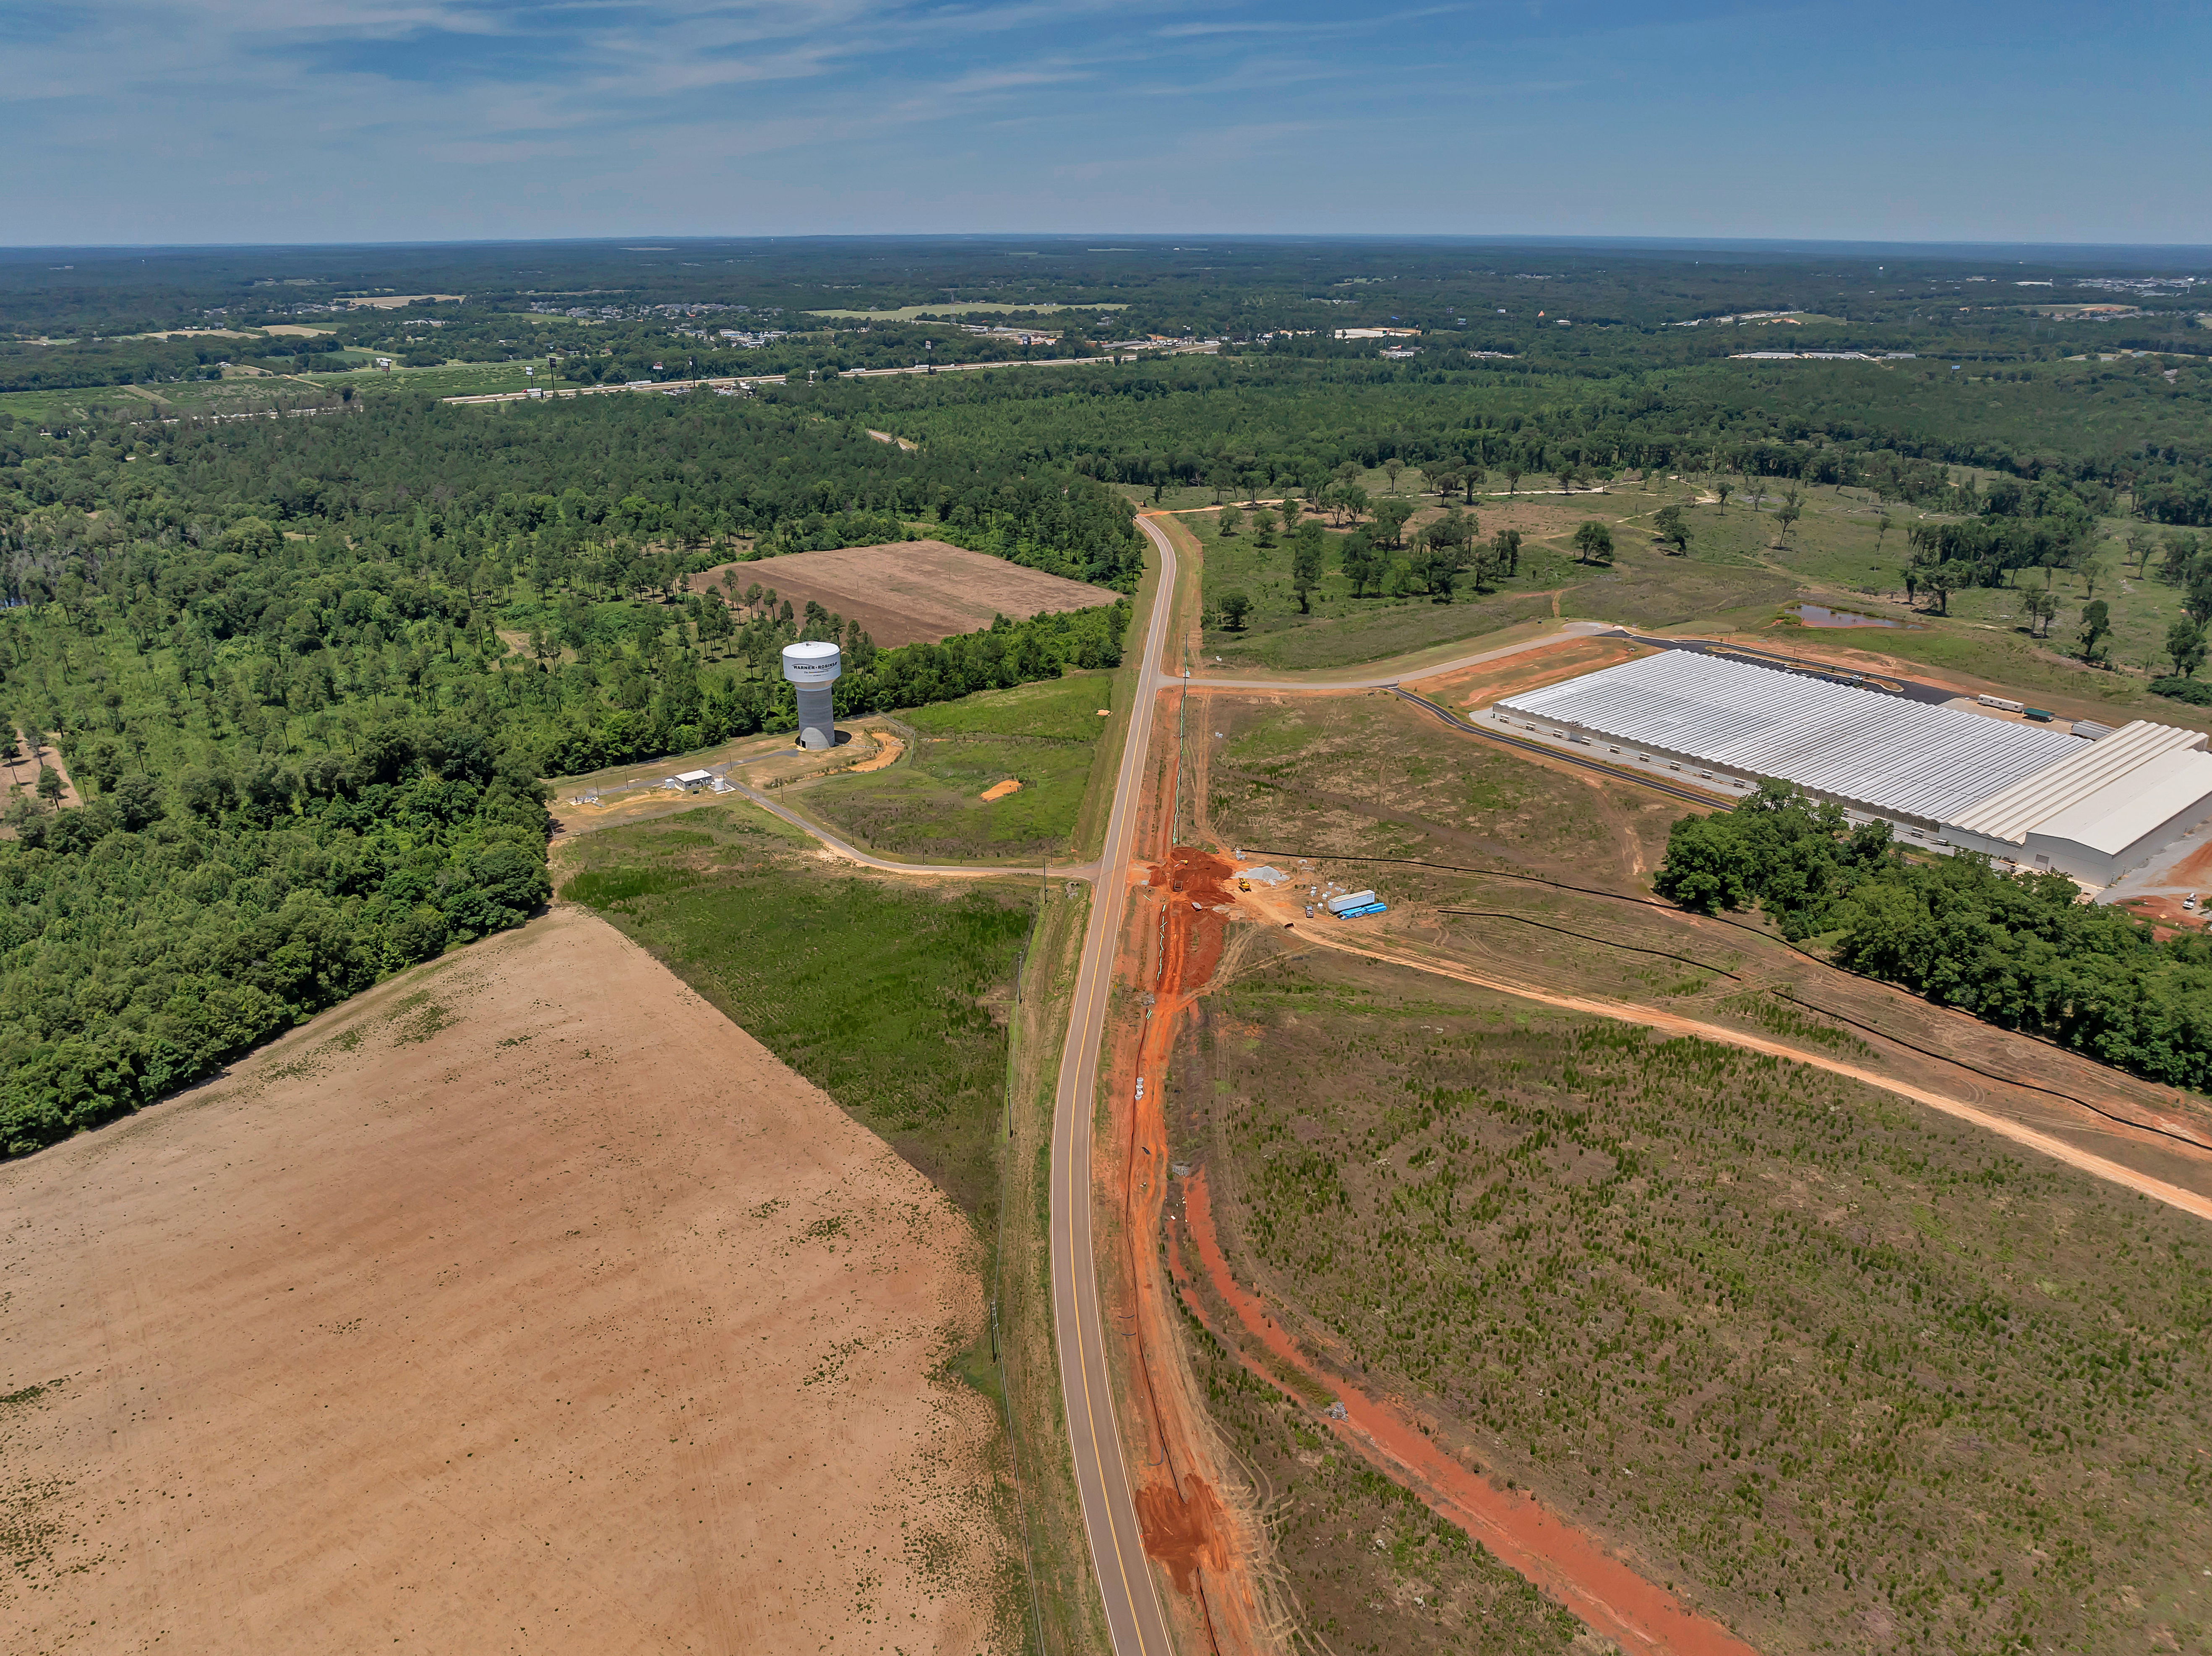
(2130, 807)
(1863, 747)
(2009, 813)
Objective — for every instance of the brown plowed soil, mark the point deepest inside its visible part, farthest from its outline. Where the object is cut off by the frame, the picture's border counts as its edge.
(909, 592)
(524, 1303)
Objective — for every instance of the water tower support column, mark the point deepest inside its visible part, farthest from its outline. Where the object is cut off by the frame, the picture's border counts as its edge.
(813, 668)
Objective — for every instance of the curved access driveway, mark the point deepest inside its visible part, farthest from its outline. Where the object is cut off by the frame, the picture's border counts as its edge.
(853, 854)
(1390, 681)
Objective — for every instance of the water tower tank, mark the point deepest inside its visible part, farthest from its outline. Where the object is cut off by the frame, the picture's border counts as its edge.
(813, 668)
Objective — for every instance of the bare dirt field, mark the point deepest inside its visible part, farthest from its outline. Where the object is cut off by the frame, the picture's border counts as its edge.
(523, 1304)
(1494, 681)
(22, 776)
(910, 592)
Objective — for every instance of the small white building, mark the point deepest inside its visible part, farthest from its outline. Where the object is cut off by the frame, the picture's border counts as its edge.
(690, 781)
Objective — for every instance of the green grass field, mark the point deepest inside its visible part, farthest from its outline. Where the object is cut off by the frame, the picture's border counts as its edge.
(892, 1001)
(929, 805)
(1853, 1375)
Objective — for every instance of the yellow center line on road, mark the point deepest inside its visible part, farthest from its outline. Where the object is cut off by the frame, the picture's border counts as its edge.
(1136, 1625)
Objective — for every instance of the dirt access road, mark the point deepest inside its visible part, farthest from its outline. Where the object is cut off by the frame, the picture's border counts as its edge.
(2190, 1202)
(523, 1303)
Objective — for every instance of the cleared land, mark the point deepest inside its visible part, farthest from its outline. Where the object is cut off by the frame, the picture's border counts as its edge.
(890, 994)
(523, 1303)
(1494, 681)
(910, 592)
(1840, 1370)
(1823, 1359)
(936, 803)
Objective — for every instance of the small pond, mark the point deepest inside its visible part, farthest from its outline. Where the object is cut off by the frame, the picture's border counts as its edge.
(1814, 615)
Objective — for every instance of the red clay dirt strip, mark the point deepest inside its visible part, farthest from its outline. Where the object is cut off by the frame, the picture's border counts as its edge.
(1186, 1526)
(1209, 1547)
(1559, 1559)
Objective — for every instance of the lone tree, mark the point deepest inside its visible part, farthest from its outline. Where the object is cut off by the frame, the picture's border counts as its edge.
(1235, 606)
(2096, 623)
(1361, 562)
(1672, 528)
(1507, 545)
(2185, 642)
(1305, 565)
(50, 786)
(1723, 488)
(1593, 542)
(1788, 512)
(1231, 519)
(1390, 515)
(2041, 609)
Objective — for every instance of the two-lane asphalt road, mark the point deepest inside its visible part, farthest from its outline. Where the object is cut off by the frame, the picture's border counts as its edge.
(1133, 1619)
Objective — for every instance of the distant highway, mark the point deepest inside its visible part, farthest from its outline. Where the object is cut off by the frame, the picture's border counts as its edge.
(1133, 1618)
(746, 382)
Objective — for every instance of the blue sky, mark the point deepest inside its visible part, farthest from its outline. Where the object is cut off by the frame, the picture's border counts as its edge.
(316, 120)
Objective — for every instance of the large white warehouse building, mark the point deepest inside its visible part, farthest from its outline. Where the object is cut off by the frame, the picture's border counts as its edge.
(2023, 794)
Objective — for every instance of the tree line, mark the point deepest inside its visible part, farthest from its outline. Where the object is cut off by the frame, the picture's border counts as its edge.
(2021, 951)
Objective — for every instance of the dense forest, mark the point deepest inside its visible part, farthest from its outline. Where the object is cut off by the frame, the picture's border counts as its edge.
(307, 677)
(2018, 951)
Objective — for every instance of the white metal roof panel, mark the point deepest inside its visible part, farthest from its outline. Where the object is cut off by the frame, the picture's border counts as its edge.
(1875, 750)
(2009, 813)
(2125, 811)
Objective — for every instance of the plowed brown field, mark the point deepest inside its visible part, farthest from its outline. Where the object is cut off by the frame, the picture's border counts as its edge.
(522, 1304)
(910, 592)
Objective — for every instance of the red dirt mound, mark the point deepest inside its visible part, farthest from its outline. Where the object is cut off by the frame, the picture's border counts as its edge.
(1187, 1534)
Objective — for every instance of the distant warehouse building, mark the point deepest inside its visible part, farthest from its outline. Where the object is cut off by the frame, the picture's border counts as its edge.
(2022, 794)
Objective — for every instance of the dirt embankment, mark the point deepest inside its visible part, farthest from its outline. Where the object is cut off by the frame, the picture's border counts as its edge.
(1195, 1523)
(524, 1303)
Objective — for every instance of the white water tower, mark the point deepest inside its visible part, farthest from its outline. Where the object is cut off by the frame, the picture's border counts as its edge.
(813, 668)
